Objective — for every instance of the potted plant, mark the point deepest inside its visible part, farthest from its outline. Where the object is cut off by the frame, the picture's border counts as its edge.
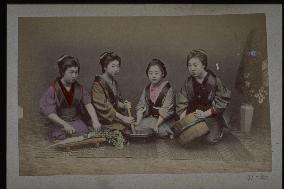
(252, 77)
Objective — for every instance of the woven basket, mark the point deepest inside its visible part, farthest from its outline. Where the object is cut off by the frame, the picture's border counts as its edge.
(189, 128)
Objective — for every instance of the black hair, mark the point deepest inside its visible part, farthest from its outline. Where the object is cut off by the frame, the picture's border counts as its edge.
(106, 58)
(66, 61)
(200, 54)
(160, 64)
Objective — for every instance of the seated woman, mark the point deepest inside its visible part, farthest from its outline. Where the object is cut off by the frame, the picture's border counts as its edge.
(64, 101)
(106, 96)
(204, 95)
(156, 108)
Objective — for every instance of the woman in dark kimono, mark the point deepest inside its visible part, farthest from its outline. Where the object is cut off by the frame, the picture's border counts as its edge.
(204, 95)
(106, 96)
(64, 101)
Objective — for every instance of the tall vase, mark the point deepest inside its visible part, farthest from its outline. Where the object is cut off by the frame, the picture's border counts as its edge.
(246, 117)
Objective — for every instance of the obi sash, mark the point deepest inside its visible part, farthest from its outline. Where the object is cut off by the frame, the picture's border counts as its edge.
(154, 107)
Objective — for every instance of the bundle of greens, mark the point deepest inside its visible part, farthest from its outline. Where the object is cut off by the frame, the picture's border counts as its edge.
(113, 137)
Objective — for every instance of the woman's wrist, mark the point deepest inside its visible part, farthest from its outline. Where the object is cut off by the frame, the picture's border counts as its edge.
(66, 125)
(96, 122)
(183, 114)
(119, 116)
(121, 105)
(208, 113)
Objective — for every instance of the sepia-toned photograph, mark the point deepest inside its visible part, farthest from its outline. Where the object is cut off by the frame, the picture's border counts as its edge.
(143, 95)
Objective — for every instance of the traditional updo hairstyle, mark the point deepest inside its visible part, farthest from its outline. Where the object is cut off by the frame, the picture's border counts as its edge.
(106, 58)
(160, 64)
(66, 61)
(200, 54)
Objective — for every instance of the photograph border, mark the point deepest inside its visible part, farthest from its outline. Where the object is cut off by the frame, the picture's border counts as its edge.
(218, 180)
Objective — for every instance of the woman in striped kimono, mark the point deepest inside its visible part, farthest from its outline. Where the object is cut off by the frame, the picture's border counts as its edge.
(156, 108)
(106, 95)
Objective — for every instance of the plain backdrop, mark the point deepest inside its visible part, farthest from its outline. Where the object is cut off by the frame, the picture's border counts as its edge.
(137, 40)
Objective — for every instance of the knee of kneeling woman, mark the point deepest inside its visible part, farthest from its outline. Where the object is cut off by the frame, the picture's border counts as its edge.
(162, 133)
(165, 131)
(212, 140)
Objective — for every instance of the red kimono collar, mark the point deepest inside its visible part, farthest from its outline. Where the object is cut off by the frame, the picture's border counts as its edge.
(67, 94)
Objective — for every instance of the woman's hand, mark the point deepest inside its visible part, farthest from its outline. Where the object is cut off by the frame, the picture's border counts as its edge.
(137, 122)
(182, 115)
(156, 128)
(158, 124)
(128, 120)
(202, 115)
(125, 119)
(97, 126)
(127, 105)
(69, 129)
(66, 126)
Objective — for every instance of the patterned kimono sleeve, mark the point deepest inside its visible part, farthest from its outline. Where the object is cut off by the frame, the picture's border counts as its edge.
(47, 102)
(142, 104)
(86, 98)
(182, 100)
(168, 109)
(102, 105)
(222, 98)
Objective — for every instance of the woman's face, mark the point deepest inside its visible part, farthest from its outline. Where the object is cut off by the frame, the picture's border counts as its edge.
(113, 68)
(155, 74)
(195, 67)
(71, 74)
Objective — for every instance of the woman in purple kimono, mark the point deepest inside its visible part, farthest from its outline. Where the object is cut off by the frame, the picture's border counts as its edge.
(64, 101)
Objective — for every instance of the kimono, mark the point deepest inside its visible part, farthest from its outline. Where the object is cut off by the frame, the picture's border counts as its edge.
(106, 97)
(210, 94)
(68, 106)
(154, 103)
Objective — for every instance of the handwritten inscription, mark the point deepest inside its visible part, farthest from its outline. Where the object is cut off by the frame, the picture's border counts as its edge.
(253, 178)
